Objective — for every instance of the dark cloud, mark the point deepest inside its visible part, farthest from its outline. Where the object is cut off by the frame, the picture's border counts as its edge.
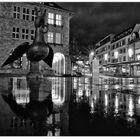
(93, 21)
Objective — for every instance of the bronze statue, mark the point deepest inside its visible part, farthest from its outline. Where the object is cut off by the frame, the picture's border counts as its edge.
(39, 49)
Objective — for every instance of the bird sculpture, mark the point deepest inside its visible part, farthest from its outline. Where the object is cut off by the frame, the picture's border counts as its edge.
(39, 49)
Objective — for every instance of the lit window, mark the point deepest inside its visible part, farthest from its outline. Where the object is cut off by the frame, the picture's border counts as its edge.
(138, 57)
(50, 18)
(33, 15)
(50, 37)
(15, 33)
(58, 20)
(16, 12)
(25, 33)
(58, 38)
(32, 34)
(25, 14)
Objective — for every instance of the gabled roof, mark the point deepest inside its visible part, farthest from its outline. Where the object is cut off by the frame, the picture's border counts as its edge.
(123, 33)
(51, 5)
(104, 40)
(54, 5)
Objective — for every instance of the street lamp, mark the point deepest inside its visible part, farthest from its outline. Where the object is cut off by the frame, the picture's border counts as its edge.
(91, 55)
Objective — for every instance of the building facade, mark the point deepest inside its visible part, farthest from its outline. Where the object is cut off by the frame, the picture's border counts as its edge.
(102, 51)
(17, 26)
(123, 54)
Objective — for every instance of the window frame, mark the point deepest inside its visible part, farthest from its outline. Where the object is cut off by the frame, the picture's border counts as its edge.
(16, 12)
(51, 18)
(58, 39)
(26, 14)
(50, 37)
(25, 34)
(58, 19)
(15, 33)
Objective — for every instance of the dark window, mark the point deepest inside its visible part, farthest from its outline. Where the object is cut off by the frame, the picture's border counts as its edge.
(16, 12)
(123, 42)
(124, 58)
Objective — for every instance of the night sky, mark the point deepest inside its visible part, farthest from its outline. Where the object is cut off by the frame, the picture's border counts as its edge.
(94, 20)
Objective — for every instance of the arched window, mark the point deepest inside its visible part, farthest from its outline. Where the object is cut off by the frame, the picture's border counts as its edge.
(59, 63)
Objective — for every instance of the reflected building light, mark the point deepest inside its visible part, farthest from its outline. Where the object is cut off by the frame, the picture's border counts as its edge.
(80, 92)
(106, 100)
(95, 97)
(20, 90)
(21, 96)
(75, 83)
(92, 106)
(87, 92)
(131, 106)
(116, 104)
(58, 91)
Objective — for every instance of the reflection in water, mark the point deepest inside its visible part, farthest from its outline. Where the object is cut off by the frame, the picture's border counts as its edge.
(116, 103)
(20, 90)
(131, 106)
(56, 106)
(35, 110)
(58, 90)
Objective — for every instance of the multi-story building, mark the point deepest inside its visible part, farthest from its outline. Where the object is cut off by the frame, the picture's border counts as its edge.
(103, 51)
(17, 26)
(123, 53)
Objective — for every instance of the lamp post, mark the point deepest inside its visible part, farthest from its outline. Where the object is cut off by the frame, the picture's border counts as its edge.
(91, 56)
